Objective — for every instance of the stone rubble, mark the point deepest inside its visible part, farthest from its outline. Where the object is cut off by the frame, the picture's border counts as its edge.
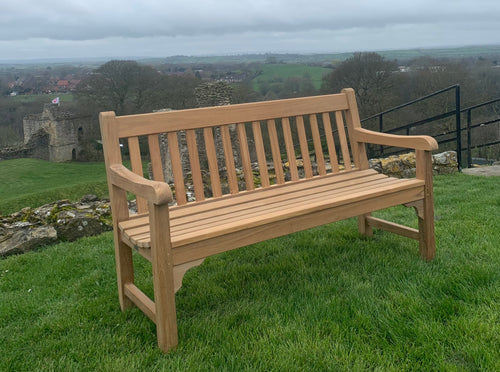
(59, 221)
(403, 166)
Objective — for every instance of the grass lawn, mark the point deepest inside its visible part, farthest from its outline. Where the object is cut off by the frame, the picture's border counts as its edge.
(323, 299)
(274, 72)
(33, 182)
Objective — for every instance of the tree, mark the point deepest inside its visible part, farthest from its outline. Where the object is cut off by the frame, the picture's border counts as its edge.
(120, 86)
(369, 74)
(127, 87)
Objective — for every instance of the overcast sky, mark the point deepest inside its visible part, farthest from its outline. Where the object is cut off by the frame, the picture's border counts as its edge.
(31, 29)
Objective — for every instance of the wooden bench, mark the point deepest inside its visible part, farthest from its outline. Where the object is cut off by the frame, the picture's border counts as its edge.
(293, 193)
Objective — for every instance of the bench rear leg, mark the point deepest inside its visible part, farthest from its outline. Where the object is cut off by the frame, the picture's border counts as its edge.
(363, 225)
(124, 272)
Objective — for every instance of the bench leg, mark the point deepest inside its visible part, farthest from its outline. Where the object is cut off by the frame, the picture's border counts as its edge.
(124, 271)
(427, 243)
(163, 277)
(425, 209)
(363, 225)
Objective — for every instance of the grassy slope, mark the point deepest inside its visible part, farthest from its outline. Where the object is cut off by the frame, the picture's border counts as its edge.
(33, 182)
(271, 72)
(324, 299)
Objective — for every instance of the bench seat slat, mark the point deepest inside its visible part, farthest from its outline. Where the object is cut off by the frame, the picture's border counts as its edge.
(226, 221)
(194, 224)
(274, 190)
(256, 200)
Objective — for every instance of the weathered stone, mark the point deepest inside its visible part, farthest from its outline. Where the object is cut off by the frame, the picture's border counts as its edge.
(21, 240)
(76, 228)
(89, 198)
(403, 166)
(61, 220)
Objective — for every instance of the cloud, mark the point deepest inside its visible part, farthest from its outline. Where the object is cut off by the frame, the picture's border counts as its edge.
(155, 27)
(99, 19)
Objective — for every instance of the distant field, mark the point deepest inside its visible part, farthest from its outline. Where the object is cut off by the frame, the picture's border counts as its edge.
(280, 72)
(33, 182)
(403, 54)
(47, 98)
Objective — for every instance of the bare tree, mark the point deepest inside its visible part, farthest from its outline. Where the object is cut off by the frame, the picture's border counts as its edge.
(369, 74)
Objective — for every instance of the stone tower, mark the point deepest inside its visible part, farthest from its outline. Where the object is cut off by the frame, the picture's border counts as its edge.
(60, 130)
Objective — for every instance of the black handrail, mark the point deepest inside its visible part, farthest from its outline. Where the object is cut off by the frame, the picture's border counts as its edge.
(456, 112)
(469, 128)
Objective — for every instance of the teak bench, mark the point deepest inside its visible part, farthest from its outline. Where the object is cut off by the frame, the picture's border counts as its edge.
(177, 234)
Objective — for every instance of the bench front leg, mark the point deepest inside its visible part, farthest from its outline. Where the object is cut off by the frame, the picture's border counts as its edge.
(163, 277)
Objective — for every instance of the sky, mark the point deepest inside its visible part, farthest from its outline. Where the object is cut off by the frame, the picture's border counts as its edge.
(41, 29)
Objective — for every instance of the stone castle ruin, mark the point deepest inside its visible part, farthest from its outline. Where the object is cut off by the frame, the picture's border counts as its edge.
(54, 134)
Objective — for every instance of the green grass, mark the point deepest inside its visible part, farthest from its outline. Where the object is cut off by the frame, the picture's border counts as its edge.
(280, 72)
(323, 299)
(47, 98)
(33, 182)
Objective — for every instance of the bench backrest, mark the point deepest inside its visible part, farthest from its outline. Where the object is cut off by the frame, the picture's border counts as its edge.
(240, 147)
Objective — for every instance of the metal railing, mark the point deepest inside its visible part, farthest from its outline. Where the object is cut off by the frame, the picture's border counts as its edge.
(470, 126)
(444, 137)
(456, 112)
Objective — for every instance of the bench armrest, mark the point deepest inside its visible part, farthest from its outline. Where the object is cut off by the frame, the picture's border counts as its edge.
(425, 143)
(153, 191)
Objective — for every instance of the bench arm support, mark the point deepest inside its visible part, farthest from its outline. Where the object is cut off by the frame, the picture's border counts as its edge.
(425, 143)
(158, 193)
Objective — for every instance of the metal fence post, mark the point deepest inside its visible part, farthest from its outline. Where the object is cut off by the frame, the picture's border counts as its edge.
(381, 130)
(459, 129)
(469, 140)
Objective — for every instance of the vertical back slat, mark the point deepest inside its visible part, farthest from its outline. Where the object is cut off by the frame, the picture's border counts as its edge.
(228, 154)
(304, 147)
(275, 150)
(136, 163)
(352, 120)
(290, 151)
(320, 159)
(212, 162)
(245, 157)
(343, 140)
(332, 152)
(155, 155)
(194, 161)
(175, 157)
(261, 154)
